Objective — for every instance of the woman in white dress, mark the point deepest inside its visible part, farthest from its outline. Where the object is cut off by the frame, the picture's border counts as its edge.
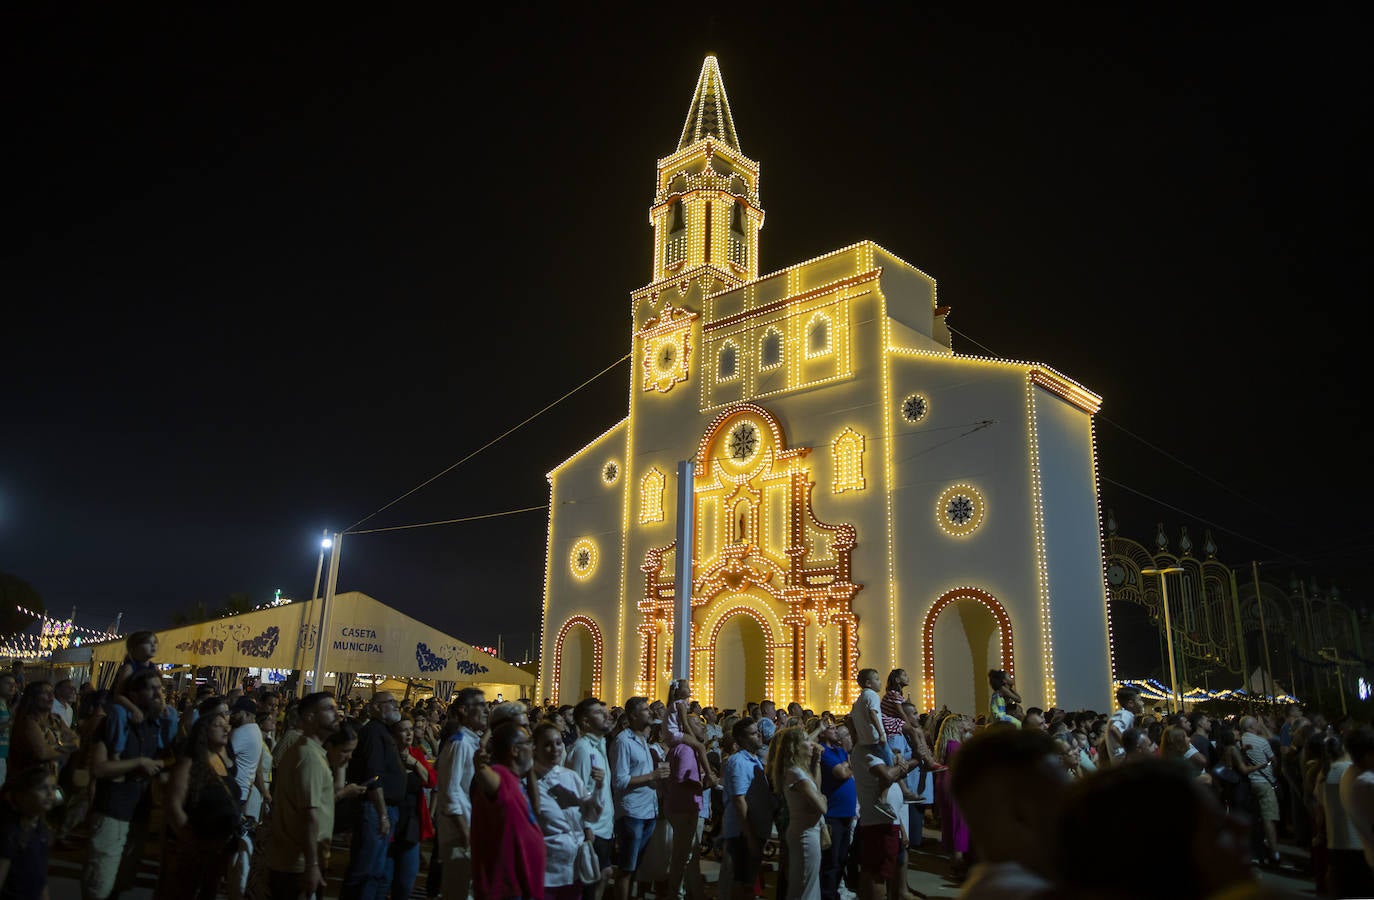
(562, 803)
(794, 768)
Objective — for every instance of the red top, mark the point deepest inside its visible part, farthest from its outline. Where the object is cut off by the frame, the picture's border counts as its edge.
(428, 781)
(507, 845)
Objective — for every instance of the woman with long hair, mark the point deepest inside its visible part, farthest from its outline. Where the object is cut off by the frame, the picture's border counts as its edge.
(954, 833)
(204, 815)
(507, 844)
(37, 737)
(414, 824)
(794, 770)
(1174, 744)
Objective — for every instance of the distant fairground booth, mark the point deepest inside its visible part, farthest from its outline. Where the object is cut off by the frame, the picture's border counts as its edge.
(863, 495)
(1235, 631)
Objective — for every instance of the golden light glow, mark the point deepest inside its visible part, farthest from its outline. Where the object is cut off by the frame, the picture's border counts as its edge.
(651, 488)
(999, 615)
(610, 472)
(818, 336)
(960, 510)
(915, 408)
(582, 559)
(1042, 576)
(598, 654)
(847, 450)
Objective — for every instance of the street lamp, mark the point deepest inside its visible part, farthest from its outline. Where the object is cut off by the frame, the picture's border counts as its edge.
(1168, 628)
(326, 543)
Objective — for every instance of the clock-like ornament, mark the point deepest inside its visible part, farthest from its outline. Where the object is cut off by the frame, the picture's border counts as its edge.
(666, 349)
(1116, 575)
(914, 408)
(743, 442)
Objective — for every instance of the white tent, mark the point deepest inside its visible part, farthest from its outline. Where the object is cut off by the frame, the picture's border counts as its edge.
(364, 635)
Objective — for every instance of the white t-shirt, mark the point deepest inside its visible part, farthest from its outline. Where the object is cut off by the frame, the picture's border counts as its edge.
(1257, 750)
(1121, 720)
(1340, 831)
(866, 713)
(869, 789)
(1357, 796)
(245, 743)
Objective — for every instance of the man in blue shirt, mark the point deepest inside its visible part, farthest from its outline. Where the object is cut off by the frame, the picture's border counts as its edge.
(634, 776)
(768, 724)
(842, 799)
(748, 814)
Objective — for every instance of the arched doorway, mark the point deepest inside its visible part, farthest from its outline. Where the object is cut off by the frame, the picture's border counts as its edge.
(966, 633)
(577, 661)
(741, 656)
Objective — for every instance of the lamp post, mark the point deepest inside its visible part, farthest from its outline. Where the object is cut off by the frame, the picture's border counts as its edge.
(331, 544)
(325, 544)
(1168, 630)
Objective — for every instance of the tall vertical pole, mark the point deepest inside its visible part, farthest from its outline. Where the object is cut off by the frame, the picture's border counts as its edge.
(682, 570)
(1177, 701)
(319, 564)
(1240, 636)
(1264, 632)
(321, 638)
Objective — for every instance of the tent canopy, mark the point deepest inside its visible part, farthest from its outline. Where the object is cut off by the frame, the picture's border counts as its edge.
(365, 635)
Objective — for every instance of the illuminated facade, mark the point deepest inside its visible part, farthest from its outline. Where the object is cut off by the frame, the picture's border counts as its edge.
(864, 496)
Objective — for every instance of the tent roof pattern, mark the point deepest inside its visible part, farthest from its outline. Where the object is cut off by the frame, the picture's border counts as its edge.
(363, 635)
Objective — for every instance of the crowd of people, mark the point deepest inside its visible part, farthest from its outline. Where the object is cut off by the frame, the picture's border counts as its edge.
(502, 800)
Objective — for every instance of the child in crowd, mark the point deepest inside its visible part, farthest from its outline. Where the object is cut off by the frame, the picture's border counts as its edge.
(140, 647)
(680, 728)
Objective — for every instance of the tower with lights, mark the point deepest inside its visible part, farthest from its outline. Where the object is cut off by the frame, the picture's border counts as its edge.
(865, 496)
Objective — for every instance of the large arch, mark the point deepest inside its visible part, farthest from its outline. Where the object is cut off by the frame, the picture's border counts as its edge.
(1001, 622)
(597, 661)
(721, 613)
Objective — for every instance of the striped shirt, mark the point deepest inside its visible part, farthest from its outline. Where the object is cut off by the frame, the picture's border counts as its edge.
(893, 720)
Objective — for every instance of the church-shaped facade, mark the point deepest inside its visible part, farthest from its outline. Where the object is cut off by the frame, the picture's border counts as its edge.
(864, 496)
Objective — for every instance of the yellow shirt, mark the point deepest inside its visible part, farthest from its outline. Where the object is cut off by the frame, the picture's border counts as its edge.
(304, 781)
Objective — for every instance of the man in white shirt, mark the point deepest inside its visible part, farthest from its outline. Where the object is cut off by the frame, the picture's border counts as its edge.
(586, 758)
(1009, 784)
(1357, 788)
(245, 743)
(455, 770)
(1122, 719)
(64, 700)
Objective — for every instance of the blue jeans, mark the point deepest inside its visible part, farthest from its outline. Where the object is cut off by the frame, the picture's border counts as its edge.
(367, 875)
(402, 867)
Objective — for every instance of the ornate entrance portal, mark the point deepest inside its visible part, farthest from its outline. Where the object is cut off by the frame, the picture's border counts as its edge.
(760, 554)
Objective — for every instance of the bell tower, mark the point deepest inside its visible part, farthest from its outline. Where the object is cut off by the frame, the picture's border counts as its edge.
(706, 209)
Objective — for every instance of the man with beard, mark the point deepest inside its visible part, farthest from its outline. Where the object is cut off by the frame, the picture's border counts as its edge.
(303, 819)
(123, 763)
(377, 766)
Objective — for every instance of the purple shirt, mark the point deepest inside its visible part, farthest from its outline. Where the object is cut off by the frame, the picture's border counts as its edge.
(684, 788)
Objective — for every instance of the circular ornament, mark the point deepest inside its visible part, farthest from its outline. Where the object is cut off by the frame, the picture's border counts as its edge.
(582, 559)
(610, 473)
(1116, 575)
(914, 408)
(742, 444)
(960, 509)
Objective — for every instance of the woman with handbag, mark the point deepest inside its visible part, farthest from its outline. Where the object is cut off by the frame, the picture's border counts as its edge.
(204, 815)
(563, 798)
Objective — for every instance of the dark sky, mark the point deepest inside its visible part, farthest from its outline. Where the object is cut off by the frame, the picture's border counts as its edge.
(266, 271)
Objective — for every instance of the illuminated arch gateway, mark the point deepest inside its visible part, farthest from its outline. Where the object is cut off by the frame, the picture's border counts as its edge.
(823, 451)
(598, 656)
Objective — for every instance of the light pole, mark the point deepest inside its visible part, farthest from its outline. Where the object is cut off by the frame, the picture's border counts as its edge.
(325, 544)
(325, 602)
(1168, 630)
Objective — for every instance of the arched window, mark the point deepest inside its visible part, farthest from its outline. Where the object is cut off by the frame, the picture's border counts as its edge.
(729, 362)
(818, 335)
(675, 243)
(848, 453)
(770, 355)
(651, 496)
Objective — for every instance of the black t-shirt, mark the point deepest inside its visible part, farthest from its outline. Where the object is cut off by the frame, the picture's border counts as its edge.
(27, 855)
(1204, 747)
(377, 756)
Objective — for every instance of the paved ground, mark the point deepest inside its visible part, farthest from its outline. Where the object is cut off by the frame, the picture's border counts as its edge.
(926, 875)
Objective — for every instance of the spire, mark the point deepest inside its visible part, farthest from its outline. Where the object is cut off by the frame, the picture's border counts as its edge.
(709, 115)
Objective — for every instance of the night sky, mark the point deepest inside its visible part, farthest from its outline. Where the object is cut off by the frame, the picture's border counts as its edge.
(267, 270)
